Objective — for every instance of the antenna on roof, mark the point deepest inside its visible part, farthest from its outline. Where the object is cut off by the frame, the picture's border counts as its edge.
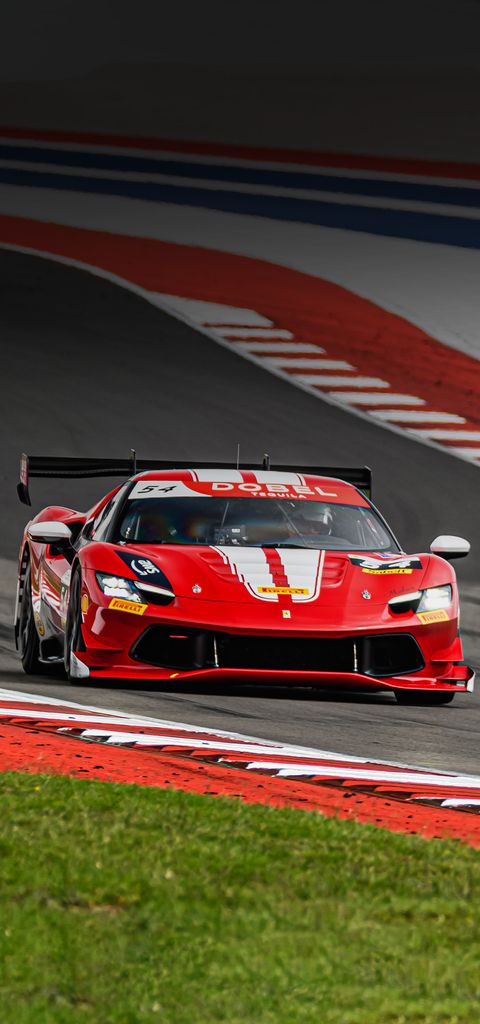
(238, 454)
(266, 461)
(133, 461)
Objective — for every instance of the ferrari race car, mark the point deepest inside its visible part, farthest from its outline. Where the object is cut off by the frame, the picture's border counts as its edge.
(254, 574)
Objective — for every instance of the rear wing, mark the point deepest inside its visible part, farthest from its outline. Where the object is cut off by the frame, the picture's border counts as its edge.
(59, 467)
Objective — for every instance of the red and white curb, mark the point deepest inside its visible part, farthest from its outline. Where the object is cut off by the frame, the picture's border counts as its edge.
(276, 762)
(312, 368)
(296, 356)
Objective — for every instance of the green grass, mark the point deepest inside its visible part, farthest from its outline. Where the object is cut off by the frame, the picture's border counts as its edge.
(122, 905)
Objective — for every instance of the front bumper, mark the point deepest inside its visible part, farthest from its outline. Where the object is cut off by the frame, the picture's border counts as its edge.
(157, 648)
(342, 663)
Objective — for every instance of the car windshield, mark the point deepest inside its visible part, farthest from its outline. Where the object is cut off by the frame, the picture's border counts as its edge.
(252, 522)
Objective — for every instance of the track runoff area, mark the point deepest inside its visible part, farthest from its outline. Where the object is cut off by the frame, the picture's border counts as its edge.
(249, 247)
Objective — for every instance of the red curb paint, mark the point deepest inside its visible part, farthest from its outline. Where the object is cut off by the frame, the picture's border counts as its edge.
(30, 751)
(308, 157)
(314, 310)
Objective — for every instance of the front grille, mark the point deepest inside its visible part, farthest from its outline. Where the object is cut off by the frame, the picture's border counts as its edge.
(190, 649)
(391, 655)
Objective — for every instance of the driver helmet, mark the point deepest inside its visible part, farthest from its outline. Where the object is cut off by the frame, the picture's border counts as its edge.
(318, 516)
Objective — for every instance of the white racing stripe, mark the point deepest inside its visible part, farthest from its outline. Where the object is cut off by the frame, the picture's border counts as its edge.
(302, 567)
(216, 475)
(264, 477)
(251, 568)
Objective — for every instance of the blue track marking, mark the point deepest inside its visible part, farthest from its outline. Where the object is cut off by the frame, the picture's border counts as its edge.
(421, 227)
(454, 195)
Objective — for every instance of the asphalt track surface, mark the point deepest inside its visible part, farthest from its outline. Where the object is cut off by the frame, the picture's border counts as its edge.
(90, 369)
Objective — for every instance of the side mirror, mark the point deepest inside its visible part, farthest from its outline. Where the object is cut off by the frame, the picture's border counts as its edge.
(450, 547)
(51, 533)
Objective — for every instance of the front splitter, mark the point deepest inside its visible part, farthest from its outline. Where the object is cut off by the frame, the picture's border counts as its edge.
(460, 680)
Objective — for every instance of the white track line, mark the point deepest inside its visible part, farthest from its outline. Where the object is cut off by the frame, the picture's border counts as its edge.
(314, 364)
(367, 398)
(447, 435)
(468, 453)
(325, 764)
(456, 802)
(213, 314)
(417, 416)
(148, 740)
(252, 332)
(367, 775)
(262, 347)
(327, 381)
(77, 713)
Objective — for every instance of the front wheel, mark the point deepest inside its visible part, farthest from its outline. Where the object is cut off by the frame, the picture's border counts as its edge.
(73, 634)
(425, 699)
(28, 639)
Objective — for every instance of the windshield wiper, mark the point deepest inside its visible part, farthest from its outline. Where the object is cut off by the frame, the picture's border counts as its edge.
(285, 544)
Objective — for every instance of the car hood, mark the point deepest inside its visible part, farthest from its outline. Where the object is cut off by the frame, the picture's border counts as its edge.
(292, 575)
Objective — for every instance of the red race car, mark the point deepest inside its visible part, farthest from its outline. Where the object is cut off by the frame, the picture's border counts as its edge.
(213, 573)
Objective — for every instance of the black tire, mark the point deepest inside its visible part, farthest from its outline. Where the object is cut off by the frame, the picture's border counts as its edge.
(423, 700)
(73, 633)
(28, 639)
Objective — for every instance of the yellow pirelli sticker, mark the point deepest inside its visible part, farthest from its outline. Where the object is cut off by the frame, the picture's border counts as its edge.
(283, 590)
(120, 605)
(388, 572)
(438, 616)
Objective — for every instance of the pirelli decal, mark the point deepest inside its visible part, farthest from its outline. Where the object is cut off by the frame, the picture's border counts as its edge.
(284, 590)
(386, 567)
(119, 604)
(389, 572)
(427, 617)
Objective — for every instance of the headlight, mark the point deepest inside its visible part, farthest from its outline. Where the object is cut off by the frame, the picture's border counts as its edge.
(430, 600)
(116, 586)
(152, 589)
(435, 598)
(405, 602)
(134, 590)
